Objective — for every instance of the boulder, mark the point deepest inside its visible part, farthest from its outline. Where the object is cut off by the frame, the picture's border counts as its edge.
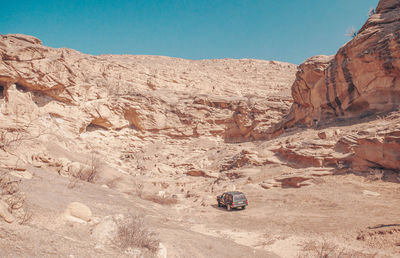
(293, 181)
(78, 210)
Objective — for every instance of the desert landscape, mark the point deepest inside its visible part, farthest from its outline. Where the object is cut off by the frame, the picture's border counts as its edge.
(124, 156)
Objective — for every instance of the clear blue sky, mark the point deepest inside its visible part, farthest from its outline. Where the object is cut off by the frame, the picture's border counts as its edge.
(284, 30)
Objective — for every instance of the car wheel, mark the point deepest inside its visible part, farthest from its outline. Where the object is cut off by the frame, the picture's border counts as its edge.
(219, 204)
(228, 207)
(244, 207)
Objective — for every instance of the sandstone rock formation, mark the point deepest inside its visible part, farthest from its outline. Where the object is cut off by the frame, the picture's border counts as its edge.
(137, 115)
(361, 79)
(234, 99)
(357, 148)
(163, 136)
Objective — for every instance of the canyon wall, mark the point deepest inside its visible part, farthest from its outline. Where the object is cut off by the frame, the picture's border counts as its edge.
(361, 79)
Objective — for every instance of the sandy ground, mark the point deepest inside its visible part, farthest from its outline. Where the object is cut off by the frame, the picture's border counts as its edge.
(279, 222)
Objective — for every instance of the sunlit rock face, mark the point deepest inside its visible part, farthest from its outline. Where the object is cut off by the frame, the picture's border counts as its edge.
(234, 99)
(360, 80)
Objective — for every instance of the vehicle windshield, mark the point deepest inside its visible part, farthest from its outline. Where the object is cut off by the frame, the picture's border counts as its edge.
(239, 197)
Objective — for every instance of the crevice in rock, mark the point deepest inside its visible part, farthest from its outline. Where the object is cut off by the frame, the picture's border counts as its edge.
(385, 54)
(94, 127)
(351, 88)
(97, 123)
(21, 87)
(334, 85)
(327, 82)
(132, 116)
(41, 99)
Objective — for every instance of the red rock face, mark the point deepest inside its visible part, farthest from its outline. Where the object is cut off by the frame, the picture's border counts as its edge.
(378, 152)
(361, 79)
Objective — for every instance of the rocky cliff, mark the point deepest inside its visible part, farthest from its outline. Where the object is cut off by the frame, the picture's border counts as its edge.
(360, 83)
(361, 79)
(150, 115)
(233, 99)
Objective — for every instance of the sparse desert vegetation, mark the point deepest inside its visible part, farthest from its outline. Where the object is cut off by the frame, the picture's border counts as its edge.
(132, 233)
(326, 249)
(85, 140)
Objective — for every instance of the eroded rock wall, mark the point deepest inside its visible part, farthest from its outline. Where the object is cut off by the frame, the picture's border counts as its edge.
(360, 80)
(237, 100)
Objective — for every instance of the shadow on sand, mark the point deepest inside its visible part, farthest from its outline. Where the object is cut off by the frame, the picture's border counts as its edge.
(215, 206)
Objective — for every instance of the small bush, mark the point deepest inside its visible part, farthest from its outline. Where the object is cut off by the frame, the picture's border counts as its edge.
(8, 186)
(139, 190)
(323, 250)
(14, 136)
(326, 249)
(10, 192)
(94, 167)
(133, 233)
(26, 217)
(351, 32)
(87, 175)
(371, 12)
(88, 172)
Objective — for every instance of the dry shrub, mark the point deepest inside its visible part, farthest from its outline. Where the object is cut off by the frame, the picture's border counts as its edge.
(8, 186)
(374, 175)
(16, 201)
(10, 192)
(163, 200)
(87, 173)
(139, 190)
(326, 249)
(323, 250)
(13, 137)
(26, 218)
(93, 171)
(133, 233)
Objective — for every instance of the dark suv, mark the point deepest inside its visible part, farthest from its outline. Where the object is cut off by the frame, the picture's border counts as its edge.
(232, 200)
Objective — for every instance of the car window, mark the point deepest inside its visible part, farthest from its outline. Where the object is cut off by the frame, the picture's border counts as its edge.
(239, 197)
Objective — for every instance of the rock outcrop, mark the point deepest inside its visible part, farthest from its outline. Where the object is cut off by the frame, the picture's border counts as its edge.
(361, 79)
(364, 147)
(159, 116)
(139, 115)
(234, 99)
